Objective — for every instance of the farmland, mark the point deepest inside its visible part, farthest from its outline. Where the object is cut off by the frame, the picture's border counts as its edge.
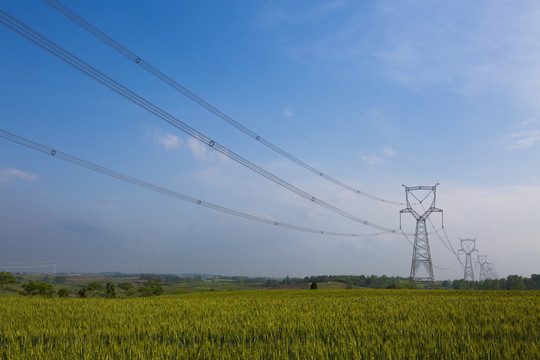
(295, 324)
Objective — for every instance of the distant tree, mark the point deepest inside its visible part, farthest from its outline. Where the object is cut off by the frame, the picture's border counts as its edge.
(6, 278)
(515, 282)
(110, 290)
(271, 283)
(33, 288)
(535, 282)
(127, 287)
(94, 285)
(151, 288)
(62, 293)
(93, 289)
(313, 286)
(82, 293)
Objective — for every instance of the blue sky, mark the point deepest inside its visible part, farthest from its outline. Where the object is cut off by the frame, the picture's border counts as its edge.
(375, 94)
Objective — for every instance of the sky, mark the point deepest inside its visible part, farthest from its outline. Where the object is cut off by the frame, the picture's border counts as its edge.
(375, 94)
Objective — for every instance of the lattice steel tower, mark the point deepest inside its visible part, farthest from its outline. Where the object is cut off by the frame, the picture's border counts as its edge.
(468, 247)
(421, 266)
(482, 261)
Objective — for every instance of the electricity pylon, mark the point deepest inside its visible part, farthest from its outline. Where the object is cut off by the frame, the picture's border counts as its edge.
(491, 273)
(482, 260)
(468, 246)
(421, 258)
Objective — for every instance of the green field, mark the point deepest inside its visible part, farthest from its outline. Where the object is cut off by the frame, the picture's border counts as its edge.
(292, 324)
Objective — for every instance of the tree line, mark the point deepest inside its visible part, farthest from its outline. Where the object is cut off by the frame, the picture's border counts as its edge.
(92, 289)
(512, 282)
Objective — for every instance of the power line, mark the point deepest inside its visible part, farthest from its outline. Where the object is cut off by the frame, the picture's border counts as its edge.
(87, 69)
(175, 85)
(445, 267)
(91, 166)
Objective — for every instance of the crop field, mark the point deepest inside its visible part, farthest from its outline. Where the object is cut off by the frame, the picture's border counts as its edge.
(303, 324)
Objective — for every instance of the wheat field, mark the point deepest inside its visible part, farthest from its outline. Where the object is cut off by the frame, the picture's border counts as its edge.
(308, 324)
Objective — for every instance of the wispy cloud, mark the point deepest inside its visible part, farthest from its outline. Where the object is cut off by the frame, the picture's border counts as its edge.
(530, 121)
(371, 159)
(288, 111)
(167, 141)
(199, 150)
(471, 48)
(14, 174)
(291, 14)
(523, 139)
(388, 150)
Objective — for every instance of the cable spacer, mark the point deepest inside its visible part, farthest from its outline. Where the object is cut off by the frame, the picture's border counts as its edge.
(199, 202)
(276, 223)
(313, 198)
(211, 143)
(138, 60)
(258, 137)
(53, 152)
(321, 174)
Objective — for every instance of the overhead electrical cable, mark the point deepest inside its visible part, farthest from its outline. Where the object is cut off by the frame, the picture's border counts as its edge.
(87, 69)
(175, 85)
(446, 267)
(100, 169)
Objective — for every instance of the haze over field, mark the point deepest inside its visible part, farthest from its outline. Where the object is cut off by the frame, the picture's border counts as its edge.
(375, 94)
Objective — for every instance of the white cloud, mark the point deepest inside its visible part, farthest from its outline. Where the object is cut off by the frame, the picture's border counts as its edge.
(523, 139)
(12, 174)
(199, 150)
(530, 121)
(167, 141)
(288, 111)
(371, 159)
(388, 150)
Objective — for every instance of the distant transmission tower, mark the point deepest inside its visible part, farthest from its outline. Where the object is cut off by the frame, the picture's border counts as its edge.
(421, 259)
(482, 261)
(468, 246)
(491, 273)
